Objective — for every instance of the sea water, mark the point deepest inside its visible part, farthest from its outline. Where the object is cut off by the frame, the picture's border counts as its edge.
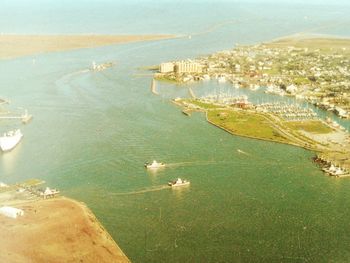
(249, 200)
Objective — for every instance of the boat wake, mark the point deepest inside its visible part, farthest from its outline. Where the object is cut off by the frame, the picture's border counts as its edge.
(243, 152)
(147, 190)
(195, 163)
(67, 77)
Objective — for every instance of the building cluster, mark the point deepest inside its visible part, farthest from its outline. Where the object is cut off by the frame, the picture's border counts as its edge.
(181, 67)
(224, 99)
(331, 168)
(319, 76)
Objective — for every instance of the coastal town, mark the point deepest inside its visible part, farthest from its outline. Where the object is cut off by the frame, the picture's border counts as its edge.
(314, 70)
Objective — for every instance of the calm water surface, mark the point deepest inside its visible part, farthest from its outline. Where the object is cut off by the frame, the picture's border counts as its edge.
(92, 132)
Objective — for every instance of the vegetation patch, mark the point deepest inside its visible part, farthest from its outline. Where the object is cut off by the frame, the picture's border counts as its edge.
(245, 124)
(309, 126)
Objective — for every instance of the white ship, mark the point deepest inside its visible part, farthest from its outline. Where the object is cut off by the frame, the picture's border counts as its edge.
(154, 165)
(178, 182)
(10, 139)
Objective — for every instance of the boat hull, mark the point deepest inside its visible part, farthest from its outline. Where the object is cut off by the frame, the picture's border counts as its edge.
(7, 143)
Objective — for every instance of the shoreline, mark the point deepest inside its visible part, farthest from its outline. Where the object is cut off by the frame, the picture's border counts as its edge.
(282, 131)
(14, 46)
(253, 137)
(302, 36)
(58, 229)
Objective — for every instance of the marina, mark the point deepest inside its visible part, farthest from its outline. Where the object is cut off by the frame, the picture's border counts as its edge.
(289, 112)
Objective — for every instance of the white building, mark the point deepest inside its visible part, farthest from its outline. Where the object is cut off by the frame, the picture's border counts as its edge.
(11, 211)
(292, 89)
(187, 67)
(167, 67)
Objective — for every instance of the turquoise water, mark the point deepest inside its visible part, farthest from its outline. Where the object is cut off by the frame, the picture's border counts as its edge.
(92, 132)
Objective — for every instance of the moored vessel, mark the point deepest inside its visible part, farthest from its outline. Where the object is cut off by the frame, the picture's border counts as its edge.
(10, 139)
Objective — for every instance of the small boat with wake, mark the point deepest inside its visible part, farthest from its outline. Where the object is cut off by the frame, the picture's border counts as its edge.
(154, 165)
(178, 182)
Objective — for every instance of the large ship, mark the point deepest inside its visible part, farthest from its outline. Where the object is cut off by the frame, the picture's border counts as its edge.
(10, 139)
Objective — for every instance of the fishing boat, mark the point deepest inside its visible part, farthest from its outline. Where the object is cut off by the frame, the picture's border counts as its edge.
(10, 139)
(154, 165)
(100, 67)
(178, 182)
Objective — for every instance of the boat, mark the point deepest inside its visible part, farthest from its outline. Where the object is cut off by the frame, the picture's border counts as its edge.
(10, 139)
(154, 165)
(100, 67)
(178, 182)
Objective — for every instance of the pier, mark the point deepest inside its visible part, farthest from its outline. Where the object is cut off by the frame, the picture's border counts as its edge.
(332, 166)
(25, 118)
(153, 87)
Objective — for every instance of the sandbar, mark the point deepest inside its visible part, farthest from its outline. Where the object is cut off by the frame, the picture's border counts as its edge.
(12, 46)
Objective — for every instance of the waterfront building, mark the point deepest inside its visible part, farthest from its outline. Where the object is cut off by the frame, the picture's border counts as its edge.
(292, 89)
(187, 67)
(167, 67)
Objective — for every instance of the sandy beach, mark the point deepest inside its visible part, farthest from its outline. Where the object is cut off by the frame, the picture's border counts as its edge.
(55, 230)
(12, 46)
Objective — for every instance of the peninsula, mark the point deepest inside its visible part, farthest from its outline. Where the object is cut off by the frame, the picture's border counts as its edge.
(313, 69)
(55, 229)
(12, 46)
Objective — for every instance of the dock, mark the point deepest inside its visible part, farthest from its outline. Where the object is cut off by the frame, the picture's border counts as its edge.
(187, 112)
(332, 167)
(190, 91)
(25, 118)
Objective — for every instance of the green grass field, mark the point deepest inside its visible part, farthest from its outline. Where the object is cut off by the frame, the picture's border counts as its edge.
(309, 126)
(202, 104)
(245, 124)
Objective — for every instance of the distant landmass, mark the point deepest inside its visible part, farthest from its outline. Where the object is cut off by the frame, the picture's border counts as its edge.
(12, 46)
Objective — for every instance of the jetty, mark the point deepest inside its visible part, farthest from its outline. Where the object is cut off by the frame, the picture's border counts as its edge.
(191, 93)
(153, 87)
(3, 101)
(25, 117)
